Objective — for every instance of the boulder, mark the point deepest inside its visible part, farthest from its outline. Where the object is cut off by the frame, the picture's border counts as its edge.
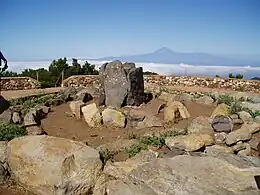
(174, 111)
(183, 174)
(205, 100)
(242, 134)
(31, 118)
(84, 96)
(221, 109)
(246, 151)
(6, 116)
(57, 165)
(75, 107)
(167, 96)
(16, 118)
(187, 142)
(200, 125)
(220, 138)
(216, 149)
(114, 118)
(186, 97)
(254, 142)
(221, 123)
(34, 130)
(149, 121)
(92, 115)
(245, 116)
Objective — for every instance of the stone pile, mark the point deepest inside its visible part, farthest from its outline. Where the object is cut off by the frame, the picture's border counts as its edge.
(18, 83)
(71, 167)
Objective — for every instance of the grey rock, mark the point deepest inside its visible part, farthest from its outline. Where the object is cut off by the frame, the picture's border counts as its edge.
(149, 121)
(254, 142)
(84, 96)
(68, 93)
(222, 123)
(246, 151)
(239, 146)
(251, 106)
(16, 118)
(186, 97)
(254, 99)
(128, 66)
(116, 84)
(34, 130)
(216, 149)
(31, 118)
(205, 100)
(257, 119)
(245, 116)
(233, 116)
(200, 125)
(186, 174)
(3, 150)
(136, 94)
(6, 116)
(239, 161)
(241, 134)
(45, 109)
(220, 138)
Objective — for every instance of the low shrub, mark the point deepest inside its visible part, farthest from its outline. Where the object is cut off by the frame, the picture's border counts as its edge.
(11, 131)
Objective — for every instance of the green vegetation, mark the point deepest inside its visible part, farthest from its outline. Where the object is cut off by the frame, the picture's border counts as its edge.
(52, 76)
(238, 76)
(31, 102)
(151, 140)
(226, 99)
(105, 155)
(150, 73)
(10, 131)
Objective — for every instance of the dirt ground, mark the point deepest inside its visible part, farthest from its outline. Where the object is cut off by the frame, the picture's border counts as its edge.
(61, 123)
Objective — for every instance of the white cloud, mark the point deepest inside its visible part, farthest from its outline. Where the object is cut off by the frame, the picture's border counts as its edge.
(175, 69)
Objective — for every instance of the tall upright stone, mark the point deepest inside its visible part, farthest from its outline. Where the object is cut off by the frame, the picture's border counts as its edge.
(136, 92)
(121, 84)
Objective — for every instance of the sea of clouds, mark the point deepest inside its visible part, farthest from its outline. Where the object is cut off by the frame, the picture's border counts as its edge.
(166, 69)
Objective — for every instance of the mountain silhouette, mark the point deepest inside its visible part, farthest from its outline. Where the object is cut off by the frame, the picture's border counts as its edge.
(165, 55)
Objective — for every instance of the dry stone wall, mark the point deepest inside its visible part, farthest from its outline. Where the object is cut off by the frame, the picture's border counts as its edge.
(186, 81)
(18, 83)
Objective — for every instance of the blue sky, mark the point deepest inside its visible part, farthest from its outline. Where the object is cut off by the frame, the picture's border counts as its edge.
(36, 29)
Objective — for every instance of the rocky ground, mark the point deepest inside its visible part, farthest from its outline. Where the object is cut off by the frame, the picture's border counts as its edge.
(190, 140)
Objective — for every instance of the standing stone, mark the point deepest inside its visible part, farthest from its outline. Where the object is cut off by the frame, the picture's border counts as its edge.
(136, 93)
(121, 84)
(102, 96)
(128, 66)
(116, 84)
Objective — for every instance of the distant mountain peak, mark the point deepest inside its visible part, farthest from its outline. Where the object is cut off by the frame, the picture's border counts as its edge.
(163, 50)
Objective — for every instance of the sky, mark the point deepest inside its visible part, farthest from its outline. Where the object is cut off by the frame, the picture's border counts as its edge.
(48, 29)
